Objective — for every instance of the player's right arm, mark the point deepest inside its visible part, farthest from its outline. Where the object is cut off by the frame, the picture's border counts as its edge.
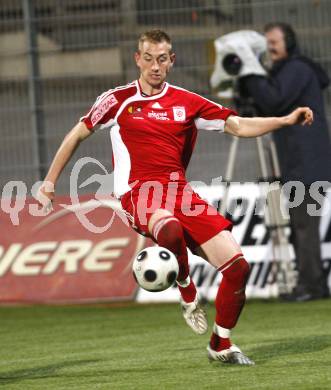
(103, 110)
(63, 155)
(67, 148)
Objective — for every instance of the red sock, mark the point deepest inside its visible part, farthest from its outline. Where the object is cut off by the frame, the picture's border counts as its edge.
(189, 292)
(230, 297)
(218, 343)
(168, 232)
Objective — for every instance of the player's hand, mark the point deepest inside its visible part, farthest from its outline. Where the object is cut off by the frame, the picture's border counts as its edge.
(302, 115)
(45, 197)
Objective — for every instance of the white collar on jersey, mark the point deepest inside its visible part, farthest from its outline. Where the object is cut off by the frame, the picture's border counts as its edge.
(157, 95)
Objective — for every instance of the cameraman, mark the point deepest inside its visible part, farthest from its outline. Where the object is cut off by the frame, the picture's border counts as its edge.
(304, 154)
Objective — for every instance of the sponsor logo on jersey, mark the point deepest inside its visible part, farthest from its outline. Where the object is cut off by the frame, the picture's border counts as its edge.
(102, 108)
(161, 116)
(179, 113)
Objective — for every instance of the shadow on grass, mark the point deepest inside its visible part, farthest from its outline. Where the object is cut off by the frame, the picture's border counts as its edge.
(285, 347)
(39, 372)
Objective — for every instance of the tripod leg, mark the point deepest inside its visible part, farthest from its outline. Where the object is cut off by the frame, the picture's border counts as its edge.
(222, 205)
(286, 266)
(277, 223)
(262, 159)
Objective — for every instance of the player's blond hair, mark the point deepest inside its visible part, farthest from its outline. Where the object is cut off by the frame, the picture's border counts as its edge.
(154, 36)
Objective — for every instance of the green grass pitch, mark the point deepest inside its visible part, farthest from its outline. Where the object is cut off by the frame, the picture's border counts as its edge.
(150, 347)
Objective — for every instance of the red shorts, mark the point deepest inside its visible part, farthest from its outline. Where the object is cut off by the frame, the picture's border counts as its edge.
(200, 221)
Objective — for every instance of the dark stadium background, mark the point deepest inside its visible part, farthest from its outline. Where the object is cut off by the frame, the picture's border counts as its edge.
(84, 47)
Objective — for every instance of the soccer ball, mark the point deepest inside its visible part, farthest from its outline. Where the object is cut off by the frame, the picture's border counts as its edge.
(155, 268)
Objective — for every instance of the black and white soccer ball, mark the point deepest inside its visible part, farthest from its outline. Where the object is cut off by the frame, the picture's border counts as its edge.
(155, 268)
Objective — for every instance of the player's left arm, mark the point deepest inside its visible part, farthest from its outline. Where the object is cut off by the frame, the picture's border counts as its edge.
(256, 126)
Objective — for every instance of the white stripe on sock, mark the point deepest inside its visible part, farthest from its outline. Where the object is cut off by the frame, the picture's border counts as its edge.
(222, 332)
(184, 283)
(160, 223)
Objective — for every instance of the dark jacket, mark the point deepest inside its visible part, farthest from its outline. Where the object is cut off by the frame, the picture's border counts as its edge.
(304, 152)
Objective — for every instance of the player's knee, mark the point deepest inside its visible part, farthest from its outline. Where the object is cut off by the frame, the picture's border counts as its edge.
(236, 268)
(156, 216)
(245, 269)
(167, 231)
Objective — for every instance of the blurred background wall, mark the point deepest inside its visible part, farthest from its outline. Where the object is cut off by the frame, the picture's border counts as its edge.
(57, 56)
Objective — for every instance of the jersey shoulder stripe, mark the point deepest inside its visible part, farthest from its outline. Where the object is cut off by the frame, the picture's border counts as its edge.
(115, 91)
(106, 105)
(196, 95)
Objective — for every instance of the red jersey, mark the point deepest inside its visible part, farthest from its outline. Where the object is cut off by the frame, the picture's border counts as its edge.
(153, 136)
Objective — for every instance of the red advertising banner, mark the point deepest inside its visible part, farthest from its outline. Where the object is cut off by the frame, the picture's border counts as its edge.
(57, 259)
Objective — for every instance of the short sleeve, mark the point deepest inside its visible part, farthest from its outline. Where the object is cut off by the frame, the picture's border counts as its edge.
(210, 115)
(103, 111)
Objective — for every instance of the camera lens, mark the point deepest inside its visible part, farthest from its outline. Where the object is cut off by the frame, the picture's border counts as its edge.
(232, 64)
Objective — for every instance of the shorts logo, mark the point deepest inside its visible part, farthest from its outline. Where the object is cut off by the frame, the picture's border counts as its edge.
(179, 114)
(101, 109)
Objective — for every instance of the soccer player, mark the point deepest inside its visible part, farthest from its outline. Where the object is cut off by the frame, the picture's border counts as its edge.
(153, 127)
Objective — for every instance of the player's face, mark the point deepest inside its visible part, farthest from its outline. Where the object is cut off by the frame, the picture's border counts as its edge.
(154, 61)
(276, 44)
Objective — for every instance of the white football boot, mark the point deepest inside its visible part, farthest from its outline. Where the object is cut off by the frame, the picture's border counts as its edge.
(231, 355)
(195, 316)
